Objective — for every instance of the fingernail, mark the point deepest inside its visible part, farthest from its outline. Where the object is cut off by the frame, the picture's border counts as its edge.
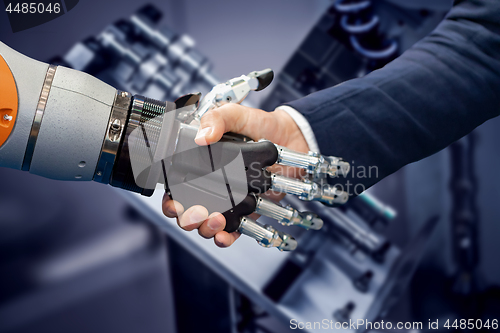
(201, 135)
(172, 211)
(198, 215)
(214, 223)
(176, 209)
(218, 243)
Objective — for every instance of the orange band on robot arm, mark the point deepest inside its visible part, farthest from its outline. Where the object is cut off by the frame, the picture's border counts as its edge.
(8, 101)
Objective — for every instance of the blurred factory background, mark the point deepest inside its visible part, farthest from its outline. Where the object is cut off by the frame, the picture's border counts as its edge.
(83, 257)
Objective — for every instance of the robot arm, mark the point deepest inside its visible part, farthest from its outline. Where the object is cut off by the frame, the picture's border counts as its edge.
(57, 125)
(67, 125)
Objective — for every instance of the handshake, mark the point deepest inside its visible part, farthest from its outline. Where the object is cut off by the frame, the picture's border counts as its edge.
(224, 164)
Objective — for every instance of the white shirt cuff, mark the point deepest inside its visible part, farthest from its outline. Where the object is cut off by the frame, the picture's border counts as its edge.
(303, 125)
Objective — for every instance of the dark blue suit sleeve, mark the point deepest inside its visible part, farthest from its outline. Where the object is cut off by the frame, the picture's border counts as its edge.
(432, 95)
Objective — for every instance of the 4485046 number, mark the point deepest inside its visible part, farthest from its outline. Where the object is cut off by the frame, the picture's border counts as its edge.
(34, 8)
(472, 324)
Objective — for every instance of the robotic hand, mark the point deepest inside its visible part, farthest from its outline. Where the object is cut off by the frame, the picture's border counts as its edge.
(240, 192)
(67, 125)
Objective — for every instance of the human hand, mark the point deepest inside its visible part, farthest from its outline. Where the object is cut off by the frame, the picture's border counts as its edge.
(276, 126)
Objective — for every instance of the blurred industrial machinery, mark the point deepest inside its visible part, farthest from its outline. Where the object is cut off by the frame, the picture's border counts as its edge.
(349, 269)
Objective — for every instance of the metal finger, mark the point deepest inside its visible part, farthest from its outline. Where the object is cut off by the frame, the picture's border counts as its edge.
(314, 163)
(288, 215)
(309, 191)
(266, 235)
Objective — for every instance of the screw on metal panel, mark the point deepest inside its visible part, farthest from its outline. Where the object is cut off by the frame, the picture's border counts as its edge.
(115, 130)
(362, 283)
(116, 125)
(99, 173)
(344, 314)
